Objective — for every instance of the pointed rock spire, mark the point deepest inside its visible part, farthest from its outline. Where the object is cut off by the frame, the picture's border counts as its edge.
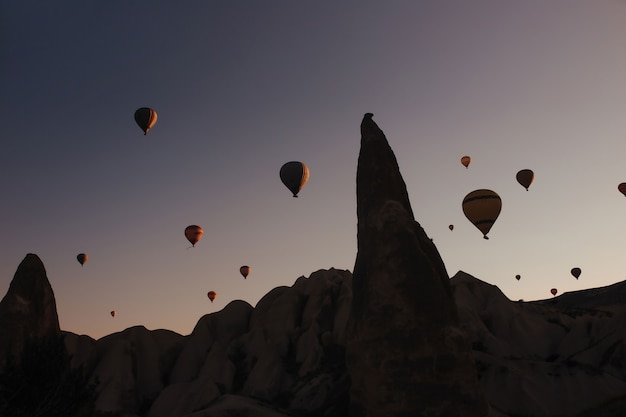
(405, 353)
(28, 310)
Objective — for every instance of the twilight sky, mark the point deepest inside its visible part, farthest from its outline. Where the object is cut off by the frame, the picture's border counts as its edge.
(242, 87)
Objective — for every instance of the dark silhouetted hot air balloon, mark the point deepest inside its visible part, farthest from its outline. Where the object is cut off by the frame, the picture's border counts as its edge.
(244, 270)
(482, 208)
(576, 272)
(295, 176)
(622, 188)
(466, 161)
(451, 227)
(145, 118)
(525, 177)
(211, 295)
(553, 291)
(113, 313)
(82, 258)
(193, 234)
(518, 277)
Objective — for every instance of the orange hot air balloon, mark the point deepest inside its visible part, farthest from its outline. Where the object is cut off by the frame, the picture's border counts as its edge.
(576, 272)
(518, 277)
(451, 227)
(82, 258)
(622, 188)
(553, 291)
(294, 175)
(113, 313)
(244, 270)
(482, 208)
(466, 161)
(211, 295)
(145, 118)
(525, 177)
(193, 234)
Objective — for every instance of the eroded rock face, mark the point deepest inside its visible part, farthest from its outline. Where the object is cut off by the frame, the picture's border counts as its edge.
(557, 357)
(405, 353)
(28, 310)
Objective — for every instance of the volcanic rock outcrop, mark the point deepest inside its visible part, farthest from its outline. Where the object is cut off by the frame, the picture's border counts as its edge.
(28, 310)
(405, 353)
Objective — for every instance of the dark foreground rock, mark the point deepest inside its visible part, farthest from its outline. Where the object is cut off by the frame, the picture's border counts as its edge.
(405, 352)
(28, 310)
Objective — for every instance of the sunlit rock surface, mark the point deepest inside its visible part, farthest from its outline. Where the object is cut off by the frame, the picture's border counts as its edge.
(405, 352)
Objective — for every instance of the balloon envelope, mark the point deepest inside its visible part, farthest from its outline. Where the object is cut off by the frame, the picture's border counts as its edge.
(193, 234)
(622, 188)
(211, 295)
(244, 270)
(576, 272)
(113, 313)
(82, 258)
(553, 291)
(525, 177)
(518, 277)
(294, 175)
(482, 208)
(145, 118)
(466, 161)
(451, 227)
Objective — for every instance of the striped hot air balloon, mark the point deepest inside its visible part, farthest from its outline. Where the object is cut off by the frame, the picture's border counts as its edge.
(145, 118)
(193, 234)
(482, 208)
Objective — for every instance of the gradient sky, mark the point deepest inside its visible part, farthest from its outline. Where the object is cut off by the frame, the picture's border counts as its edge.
(242, 87)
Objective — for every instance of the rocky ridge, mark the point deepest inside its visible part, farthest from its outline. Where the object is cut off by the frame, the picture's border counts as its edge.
(398, 338)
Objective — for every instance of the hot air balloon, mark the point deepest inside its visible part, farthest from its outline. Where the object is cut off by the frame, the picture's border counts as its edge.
(576, 272)
(482, 208)
(193, 234)
(113, 313)
(82, 258)
(553, 291)
(211, 295)
(518, 277)
(525, 177)
(466, 161)
(295, 176)
(451, 227)
(622, 188)
(145, 118)
(244, 270)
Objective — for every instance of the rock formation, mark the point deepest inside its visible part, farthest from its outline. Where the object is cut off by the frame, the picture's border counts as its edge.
(28, 310)
(565, 356)
(283, 357)
(405, 353)
(384, 342)
(552, 358)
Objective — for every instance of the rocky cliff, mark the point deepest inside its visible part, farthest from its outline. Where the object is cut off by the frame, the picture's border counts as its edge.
(28, 310)
(406, 354)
